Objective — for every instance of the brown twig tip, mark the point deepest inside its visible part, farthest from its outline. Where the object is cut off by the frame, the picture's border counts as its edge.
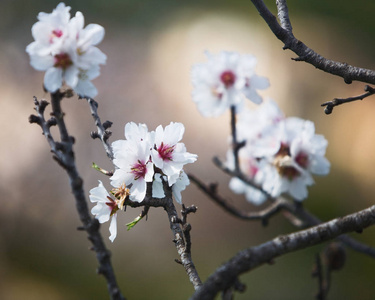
(107, 124)
(329, 105)
(34, 119)
(94, 135)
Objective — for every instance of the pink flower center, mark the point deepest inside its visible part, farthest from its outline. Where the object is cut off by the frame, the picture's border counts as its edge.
(112, 205)
(139, 170)
(228, 78)
(62, 61)
(302, 159)
(57, 33)
(285, 171)
(253, 170)
(166, 151)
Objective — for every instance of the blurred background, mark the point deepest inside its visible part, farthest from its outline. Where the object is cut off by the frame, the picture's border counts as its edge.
(151, 46)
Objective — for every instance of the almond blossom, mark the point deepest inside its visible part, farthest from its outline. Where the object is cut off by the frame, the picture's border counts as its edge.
(280, 154)
(134, 167)
(66, 51)
(225, 80)
(106, 208)
(168, 154)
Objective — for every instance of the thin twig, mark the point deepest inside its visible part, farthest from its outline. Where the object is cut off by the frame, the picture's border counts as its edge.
(236, 146)
(347, 72)
(338, 101)
(102, 133)
(262, 215)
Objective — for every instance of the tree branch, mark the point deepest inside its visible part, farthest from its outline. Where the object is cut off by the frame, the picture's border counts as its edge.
(283, 33)
(102, 133)
(64, 155)
(253, 257)
(338, 101)
(296, 214)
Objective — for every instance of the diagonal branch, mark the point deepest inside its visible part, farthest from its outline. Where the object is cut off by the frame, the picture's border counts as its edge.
(253, 257)
(296, 214)
(283, 33)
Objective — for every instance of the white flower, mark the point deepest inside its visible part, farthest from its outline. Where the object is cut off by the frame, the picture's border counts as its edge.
(181, 183)
(66, 51)
(168, 154)
(132, 159)
(300, 154)
(224, 81)
(106, 207)
(50, 31)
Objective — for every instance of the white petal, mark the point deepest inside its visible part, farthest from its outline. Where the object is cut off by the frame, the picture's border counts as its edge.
(53, 79)
(113, 228)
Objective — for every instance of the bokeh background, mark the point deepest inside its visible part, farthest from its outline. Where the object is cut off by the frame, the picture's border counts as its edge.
(151, 46)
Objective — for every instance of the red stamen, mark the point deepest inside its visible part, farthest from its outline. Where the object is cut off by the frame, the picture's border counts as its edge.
(166, 151)
(62, 61)
(228, 78)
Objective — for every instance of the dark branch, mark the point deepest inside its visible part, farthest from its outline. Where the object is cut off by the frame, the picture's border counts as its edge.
(283, 15)
(338, 101)
(236, 146)
(347, 72)
(296, 214)
(63, 153)
(248, 259)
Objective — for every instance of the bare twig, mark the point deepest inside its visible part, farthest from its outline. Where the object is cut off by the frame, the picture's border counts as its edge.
(236, 146)
(102, 133)
(283, 33)
(253, 257)
(262, 215)
(338, 101)
(64, 155)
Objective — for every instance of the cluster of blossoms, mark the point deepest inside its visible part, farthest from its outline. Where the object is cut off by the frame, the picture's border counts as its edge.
(66, 51)
(155, 157)
(225, 80)
(280, 154)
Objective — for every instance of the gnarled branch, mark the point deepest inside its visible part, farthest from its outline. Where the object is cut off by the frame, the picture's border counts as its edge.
(253, 257)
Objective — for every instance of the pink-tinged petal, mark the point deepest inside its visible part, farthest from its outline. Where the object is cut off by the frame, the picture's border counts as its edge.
(53, 79)
(113, 228)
